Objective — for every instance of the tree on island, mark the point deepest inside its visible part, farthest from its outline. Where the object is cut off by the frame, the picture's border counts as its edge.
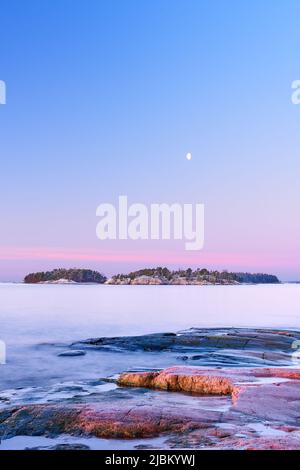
(75, 275)
(201, 274)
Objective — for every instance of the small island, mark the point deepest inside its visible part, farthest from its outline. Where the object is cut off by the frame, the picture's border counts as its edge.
(65, 276)
(163, 276)
(150, 276)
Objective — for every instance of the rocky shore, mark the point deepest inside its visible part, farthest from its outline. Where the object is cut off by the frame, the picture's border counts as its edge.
(162, 281)
(227, 389)
(198, 277)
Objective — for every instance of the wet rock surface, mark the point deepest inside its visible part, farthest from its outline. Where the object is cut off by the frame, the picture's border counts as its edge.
(101, 420)
(257, 409)
(215, 346)
(61, 447)
(253, 404)
(71, 353)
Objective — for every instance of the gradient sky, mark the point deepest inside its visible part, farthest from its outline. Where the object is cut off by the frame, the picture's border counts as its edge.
(107, 97)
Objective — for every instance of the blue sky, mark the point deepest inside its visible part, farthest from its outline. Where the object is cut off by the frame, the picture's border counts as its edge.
(106, 98)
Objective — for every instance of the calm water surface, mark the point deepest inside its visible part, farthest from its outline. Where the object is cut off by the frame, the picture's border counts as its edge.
(38, 321)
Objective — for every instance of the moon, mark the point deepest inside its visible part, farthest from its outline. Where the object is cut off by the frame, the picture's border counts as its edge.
(189, 156)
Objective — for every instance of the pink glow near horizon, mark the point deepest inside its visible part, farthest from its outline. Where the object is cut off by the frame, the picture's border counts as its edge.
(224, 260)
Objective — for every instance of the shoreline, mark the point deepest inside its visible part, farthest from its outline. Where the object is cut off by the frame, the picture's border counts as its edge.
(151, 276)
(74, 283)
(228, 388)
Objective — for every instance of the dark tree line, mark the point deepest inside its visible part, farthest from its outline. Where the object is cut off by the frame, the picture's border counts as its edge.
(76, 275)
(201, 274)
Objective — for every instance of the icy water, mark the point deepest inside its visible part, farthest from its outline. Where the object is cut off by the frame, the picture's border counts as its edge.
(37, 322)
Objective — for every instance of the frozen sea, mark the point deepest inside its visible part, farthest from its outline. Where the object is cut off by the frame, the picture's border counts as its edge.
(38, 321)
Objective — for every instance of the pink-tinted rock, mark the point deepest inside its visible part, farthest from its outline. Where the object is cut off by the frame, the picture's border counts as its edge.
(251, 394)
(187, 379)
(207, 381)
(279, 372)
(261, 443)
(262, 410)
(274, 402)
(102, 420)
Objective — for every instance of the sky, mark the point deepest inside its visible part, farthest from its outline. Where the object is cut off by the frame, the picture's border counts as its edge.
(105, 98)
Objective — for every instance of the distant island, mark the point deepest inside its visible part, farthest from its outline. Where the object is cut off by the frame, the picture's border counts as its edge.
(65, 276)
(150, 276)
(163, 276)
